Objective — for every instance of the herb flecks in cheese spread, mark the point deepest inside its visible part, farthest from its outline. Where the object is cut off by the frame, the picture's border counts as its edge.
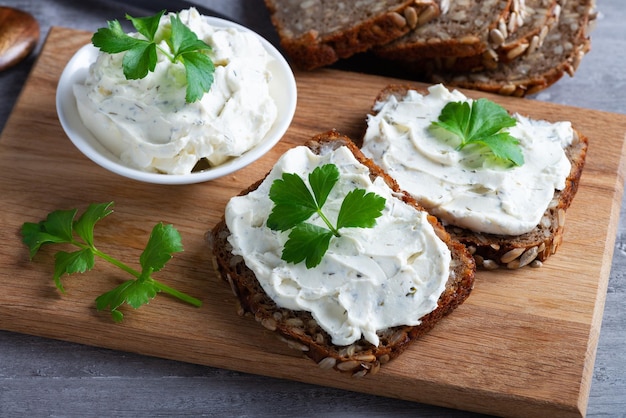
(468, 189)
(369, 279)
(147, 122)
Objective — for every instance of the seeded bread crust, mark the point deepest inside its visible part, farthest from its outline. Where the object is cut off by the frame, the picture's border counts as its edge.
(298, 328)
(316, 33)
(492, 251)
(563, 48)
(462, 31)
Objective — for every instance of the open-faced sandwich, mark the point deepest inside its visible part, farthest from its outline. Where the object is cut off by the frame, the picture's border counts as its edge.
(500, 183)
(330, 253)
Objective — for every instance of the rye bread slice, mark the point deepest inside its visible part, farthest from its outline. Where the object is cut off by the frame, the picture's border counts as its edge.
(315, 33)
(461, 31)
(300, 330)
(507, 42)
(563, 48)
(492, 251)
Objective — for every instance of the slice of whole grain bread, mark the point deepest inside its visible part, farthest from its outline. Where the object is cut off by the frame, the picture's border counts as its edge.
(505, 43)
(564, 46)
(492, 250)
(300, 330)
(461, 31)
(315, 33)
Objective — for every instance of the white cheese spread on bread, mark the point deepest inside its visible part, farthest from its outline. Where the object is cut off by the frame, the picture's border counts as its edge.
(469, 190)
(147, 124)
(369, 279)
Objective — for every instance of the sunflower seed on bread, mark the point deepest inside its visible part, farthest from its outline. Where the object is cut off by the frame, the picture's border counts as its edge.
(316, 33)
(300, 330)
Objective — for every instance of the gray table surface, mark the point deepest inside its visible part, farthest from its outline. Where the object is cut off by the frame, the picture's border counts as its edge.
(42, 377)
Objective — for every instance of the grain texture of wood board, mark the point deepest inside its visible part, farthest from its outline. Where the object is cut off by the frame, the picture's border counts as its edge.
(523, 344)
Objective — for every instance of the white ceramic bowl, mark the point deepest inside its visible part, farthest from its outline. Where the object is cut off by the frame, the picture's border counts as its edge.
(282, 89)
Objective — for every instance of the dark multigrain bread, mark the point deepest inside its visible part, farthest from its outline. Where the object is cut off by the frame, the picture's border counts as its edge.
(300, 330)
(562, 51)
(535, 21)
(460, 31)
(520, 36)
(492, 250)
(315, 33)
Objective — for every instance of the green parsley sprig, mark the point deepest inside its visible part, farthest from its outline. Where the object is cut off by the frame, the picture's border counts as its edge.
(482, 123)
(60, 227)
(294, 203)
(140, 56)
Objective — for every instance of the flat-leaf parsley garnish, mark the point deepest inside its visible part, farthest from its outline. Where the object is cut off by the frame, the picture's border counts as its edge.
(141, 54)
(60, 227)
(294, 204)
(483, 122)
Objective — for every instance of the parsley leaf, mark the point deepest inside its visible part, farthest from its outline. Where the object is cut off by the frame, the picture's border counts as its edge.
(147, 26)
(85, 224)
(164, 241)
(75, 262)
(360, 209)
(294, 203)
(308, 243)
(188, 49)
(482, 123)
(113, 39)
(141, 54)
(59, 227)
(322, 181)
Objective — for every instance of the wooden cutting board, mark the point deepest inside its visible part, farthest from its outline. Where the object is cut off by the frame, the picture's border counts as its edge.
(524, 343)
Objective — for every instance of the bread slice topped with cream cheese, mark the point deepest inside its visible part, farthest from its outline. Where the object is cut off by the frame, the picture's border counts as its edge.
(376, 289)
(508, 213)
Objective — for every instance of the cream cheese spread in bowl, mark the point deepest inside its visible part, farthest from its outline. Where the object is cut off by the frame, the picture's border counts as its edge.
(369, 279)
(467, 189)
(145, 130)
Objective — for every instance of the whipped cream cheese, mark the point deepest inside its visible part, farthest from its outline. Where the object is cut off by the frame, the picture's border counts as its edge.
(370, 278)
(469, 190)
(148, 125)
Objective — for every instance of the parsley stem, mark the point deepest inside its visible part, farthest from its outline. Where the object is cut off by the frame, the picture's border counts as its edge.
(171, 57)
(180, 295)
(169, 290)
(116, 262)
(334, 230)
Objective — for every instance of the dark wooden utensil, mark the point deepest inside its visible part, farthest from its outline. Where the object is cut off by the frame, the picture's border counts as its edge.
(19, 34)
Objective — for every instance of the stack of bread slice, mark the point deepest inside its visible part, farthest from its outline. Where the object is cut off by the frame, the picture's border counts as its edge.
(553, 53)
(510, 47)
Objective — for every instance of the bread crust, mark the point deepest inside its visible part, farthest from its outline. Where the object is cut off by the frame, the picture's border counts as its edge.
(493, 250)
(300, 330)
